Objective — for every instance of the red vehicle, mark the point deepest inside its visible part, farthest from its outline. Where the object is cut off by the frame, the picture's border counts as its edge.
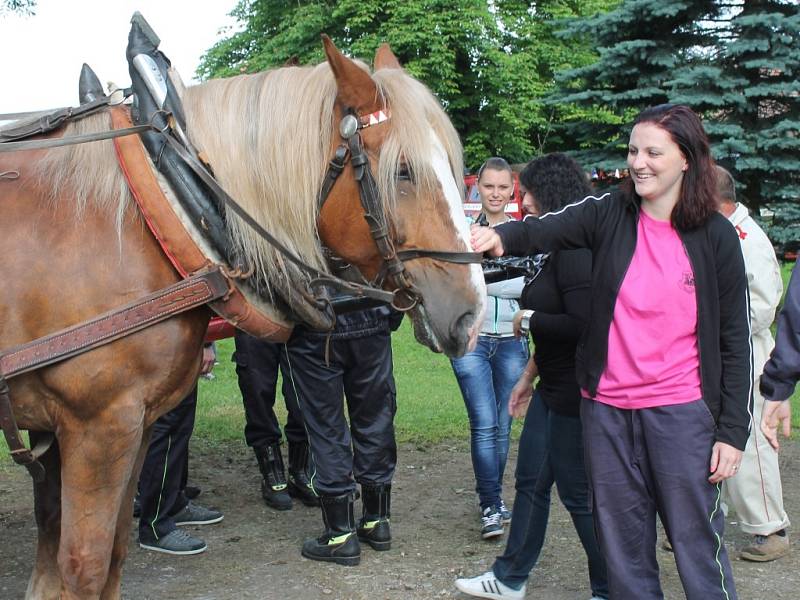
(472, 202)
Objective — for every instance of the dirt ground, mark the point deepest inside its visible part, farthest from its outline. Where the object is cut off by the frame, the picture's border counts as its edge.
(254, 552)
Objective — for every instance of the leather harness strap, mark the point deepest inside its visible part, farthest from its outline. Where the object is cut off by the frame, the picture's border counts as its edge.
(189, 293)
(319, 278)
(176, 242)
(71, 140)
(19, 451)
(50, 121)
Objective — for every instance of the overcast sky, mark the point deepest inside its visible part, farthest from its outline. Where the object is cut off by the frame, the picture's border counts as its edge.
(41, 55)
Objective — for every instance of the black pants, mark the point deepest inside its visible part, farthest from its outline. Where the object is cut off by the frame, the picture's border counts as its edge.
(257, 364)
(164, 470)
(652, 461)
(360, 370)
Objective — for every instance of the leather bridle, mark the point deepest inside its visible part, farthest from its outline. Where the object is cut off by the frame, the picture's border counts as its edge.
(405, 295)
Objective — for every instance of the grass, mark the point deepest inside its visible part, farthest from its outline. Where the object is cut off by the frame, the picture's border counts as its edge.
(429, 405)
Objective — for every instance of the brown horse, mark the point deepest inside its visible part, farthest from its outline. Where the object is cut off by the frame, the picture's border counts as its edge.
(73, 245)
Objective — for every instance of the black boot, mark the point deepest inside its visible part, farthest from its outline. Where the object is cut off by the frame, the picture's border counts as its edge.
(373, 528)
(273, 484)
(338, 543)
(300, 474)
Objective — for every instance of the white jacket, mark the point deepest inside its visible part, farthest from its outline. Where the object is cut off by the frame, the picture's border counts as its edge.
(764, 281)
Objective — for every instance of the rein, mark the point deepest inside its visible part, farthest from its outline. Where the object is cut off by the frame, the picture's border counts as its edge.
(52, 120)
(403, 298)
(318, 277)
(75, 139)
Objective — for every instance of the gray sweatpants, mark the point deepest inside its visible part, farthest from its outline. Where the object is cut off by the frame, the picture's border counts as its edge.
(656, 461)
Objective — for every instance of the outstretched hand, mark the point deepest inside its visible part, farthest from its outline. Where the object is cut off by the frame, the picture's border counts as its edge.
(774, 415)
(485, 239)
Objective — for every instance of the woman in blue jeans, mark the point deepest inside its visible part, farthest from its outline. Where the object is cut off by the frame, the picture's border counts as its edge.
(487, 374)
(557, 304)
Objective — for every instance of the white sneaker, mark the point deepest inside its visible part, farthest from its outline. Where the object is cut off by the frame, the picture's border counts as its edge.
(487, 586)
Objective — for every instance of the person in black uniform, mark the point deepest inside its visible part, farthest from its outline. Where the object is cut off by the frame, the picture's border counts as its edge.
(555, 306)
(163, 504)
(353, 363)
(257, 364)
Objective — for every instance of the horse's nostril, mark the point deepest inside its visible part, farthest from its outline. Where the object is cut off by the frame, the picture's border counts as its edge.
(462, 324)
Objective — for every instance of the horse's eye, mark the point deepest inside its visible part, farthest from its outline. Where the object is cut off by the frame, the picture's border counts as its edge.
(404, 173)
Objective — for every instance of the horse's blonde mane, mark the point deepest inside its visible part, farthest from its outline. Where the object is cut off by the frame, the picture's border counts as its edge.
(268, 139)
(85, 173)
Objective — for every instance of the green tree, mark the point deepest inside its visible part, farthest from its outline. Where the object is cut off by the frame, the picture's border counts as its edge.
(736, 62)
(750, 95)
(25, 7)
(640, 45)
(488, 62)
(531, 52)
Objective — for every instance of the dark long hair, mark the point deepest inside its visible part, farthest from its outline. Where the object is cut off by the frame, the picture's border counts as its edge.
(698, 197)
(555, 180)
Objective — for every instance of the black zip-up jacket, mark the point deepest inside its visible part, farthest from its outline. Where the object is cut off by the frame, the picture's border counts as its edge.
(608, 226)
(782, 370)
(361, 323)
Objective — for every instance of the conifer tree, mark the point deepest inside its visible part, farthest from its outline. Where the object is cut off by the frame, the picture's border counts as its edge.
(751, 99)
(736, 62)
(640, 45)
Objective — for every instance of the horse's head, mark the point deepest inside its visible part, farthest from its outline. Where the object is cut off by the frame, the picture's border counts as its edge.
(415, 156)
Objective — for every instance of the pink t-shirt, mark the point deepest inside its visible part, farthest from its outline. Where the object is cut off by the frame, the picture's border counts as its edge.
(653, 358)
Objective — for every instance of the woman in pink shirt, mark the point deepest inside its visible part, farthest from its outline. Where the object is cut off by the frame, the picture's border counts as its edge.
(665, 362)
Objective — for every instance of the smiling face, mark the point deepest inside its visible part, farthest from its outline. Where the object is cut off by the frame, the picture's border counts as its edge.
(656, 164)
(495, 188)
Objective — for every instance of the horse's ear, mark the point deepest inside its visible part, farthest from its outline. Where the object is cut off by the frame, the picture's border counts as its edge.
(385, 58)
(356, 88)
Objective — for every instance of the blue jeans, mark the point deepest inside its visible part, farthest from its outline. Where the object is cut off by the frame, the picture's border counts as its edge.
(550, 451)
(486, 376)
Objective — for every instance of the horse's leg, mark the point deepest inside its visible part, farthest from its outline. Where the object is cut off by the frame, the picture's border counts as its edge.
(99, 455)
(45, 581)
(111, 591)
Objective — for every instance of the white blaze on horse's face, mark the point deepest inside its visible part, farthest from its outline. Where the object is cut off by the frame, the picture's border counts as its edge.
(444, 173)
